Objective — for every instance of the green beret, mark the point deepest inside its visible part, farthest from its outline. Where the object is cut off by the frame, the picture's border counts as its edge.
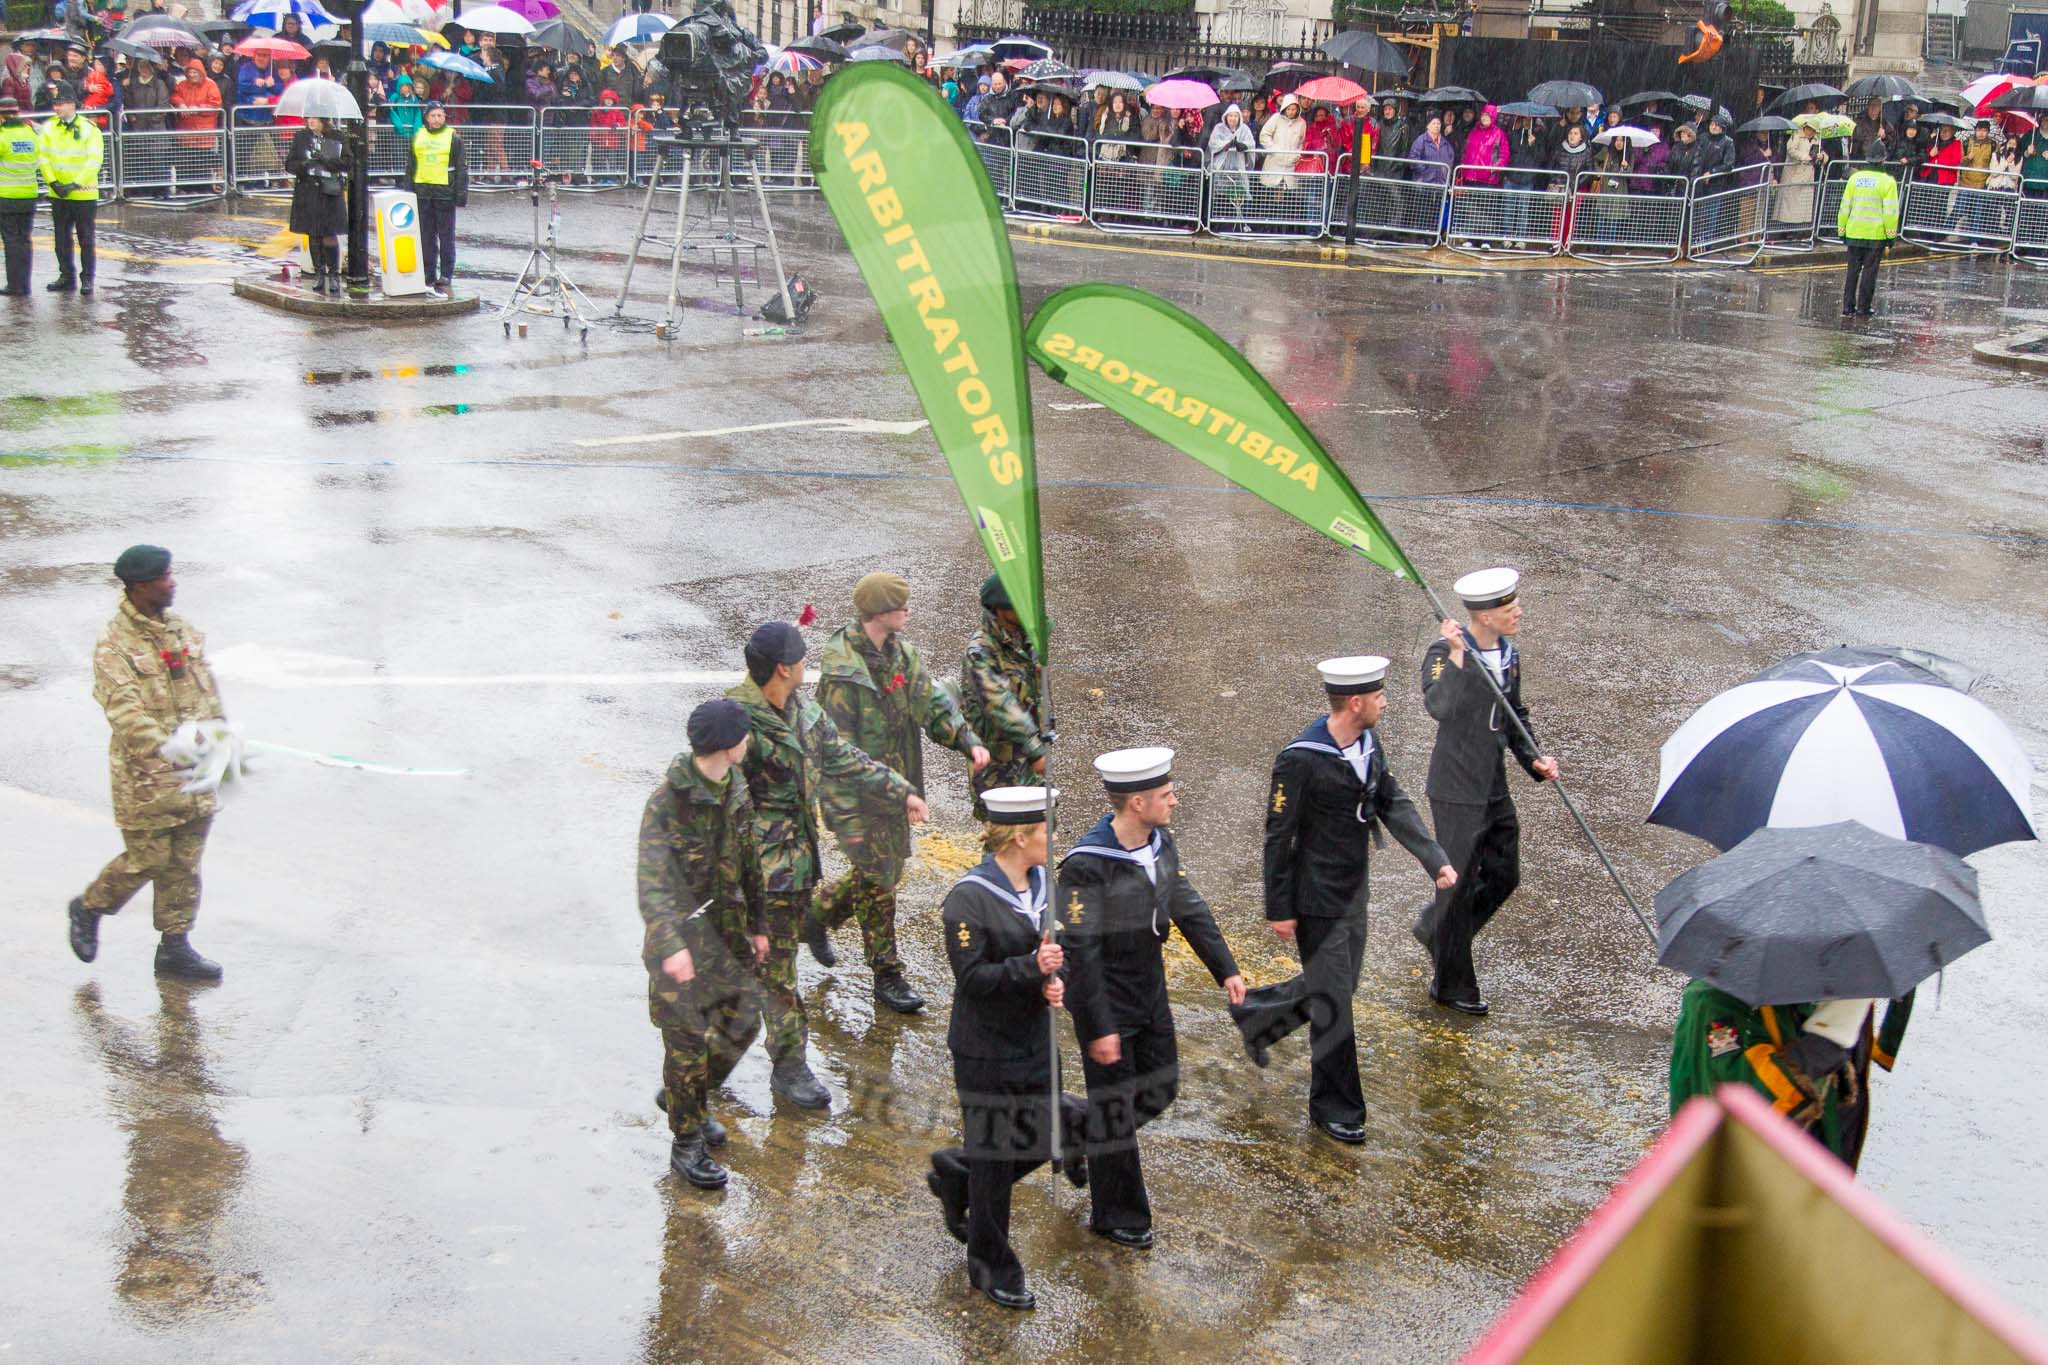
(878, 594)
(994, 595)
(142, 564)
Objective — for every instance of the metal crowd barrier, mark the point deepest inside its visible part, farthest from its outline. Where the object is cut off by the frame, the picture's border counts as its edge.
(1130, 192)
(500, 148)
(1510, 220)
(1051, 183)
(1730, 216)
(1620, 223)
(1958, 218)
(2030, 224)
(1828, 216)
(1394, 209)
(1275, 203)
(172, 164)
(998, 158)
(785, 162)
(1793, 206)
(257, 149)
(110, 175)
(592, 158)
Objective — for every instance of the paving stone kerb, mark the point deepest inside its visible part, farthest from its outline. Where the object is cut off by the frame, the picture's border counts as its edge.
(294, 298)
(2021, 351)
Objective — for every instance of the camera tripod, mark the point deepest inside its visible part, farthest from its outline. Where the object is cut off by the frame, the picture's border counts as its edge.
(541, 278)
(721, 168)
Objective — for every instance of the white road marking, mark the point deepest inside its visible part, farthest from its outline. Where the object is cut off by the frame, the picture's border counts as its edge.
(856, 426)
(290, 669)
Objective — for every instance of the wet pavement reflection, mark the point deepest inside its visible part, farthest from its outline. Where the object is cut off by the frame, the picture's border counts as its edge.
(415, 1123)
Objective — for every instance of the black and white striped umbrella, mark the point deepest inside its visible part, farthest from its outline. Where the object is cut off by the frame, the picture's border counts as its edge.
(1865, 733)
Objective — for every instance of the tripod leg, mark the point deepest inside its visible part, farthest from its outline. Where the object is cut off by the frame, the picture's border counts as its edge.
(774, 251)
(640, 230)
(675, 255)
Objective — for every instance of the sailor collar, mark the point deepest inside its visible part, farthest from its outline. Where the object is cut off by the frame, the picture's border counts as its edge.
(1318, 739)
(1030, 904)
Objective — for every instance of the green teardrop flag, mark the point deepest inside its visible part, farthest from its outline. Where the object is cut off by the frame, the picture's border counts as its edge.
(911, 197)
(1164, 371)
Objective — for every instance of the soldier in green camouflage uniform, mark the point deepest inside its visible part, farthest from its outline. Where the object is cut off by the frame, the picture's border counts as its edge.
(796, 749)
(706, 929)
(149, 673)
(999, 696)
(874, 686)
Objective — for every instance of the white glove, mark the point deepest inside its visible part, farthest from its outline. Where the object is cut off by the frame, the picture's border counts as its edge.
(212, 749)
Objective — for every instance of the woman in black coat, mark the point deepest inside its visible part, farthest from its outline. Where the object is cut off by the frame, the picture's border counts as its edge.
(1007, 976)
(318, 163)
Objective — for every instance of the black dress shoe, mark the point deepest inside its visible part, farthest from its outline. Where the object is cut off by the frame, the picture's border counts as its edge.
(85, 287)
(1023, 1300)
(175, 956)
(1138, 1239)
(60, 285)
(1473, 1006)
(820, 946)
(1351, 1133)
(85, 930)
(688, 1159)
(952, 1205)
(892, 990)
(794, 1082)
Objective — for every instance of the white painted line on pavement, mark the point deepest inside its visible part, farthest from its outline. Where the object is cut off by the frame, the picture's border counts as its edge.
(859, 426)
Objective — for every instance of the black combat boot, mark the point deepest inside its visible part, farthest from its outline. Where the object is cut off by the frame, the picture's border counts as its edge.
(892, 990)
(688, 1159)
(792, 1079)
(714, 1131)
(815, 940)
(85, 930)
(176, 956)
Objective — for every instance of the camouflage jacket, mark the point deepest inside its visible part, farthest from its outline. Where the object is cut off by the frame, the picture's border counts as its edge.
(697, 846)
(999, 694)
(150, 677)
(795, 750)
(880, 699)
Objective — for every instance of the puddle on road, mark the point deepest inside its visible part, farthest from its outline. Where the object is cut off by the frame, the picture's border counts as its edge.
(322, 378)
(533, 402)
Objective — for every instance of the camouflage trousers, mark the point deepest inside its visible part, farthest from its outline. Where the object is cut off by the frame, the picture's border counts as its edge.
(705, 1029)
(868, 896)
(1014, 771)
(167, 857)
(782, 1009)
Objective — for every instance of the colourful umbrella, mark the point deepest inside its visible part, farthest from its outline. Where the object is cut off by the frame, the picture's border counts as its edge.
(1182, 94)
(637, 28)
(496, 19)
(789, 63)
(456, 64)
(1331, 90)
(272, 47)
(536, 10)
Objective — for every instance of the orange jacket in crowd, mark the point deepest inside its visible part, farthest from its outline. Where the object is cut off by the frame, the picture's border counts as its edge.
(200, 126)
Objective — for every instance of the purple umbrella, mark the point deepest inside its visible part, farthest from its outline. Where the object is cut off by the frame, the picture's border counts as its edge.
(534, 10)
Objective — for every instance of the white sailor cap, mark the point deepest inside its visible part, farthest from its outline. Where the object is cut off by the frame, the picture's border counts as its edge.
(1488, 588)
(1135, 770)
(1015, 805)
(1350, 676)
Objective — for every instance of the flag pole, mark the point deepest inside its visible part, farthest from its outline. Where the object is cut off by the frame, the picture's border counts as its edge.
(1052, 1016)
(1501, 697)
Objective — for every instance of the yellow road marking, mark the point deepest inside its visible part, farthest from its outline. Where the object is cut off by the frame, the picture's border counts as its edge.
(114, 253)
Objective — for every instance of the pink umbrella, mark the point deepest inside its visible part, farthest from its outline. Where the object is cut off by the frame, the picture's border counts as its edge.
(1331, 90)
(536, 10)
(1182, 94)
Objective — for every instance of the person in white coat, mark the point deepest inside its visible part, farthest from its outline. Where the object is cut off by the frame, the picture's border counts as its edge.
(1283, 137)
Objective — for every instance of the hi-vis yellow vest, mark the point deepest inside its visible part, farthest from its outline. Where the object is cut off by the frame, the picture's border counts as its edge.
(432, 151)
(20, 154)
(72, 152)
(1870, 208)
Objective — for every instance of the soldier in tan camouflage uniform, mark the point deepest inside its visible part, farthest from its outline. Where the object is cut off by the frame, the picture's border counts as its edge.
(796, 749)
(706, 930)
(874, 686)
(150, 675)
(999, 696)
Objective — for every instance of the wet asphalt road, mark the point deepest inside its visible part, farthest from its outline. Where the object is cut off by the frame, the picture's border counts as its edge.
(414, 1123)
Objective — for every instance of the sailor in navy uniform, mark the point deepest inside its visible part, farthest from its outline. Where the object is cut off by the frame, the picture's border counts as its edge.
(1121, 891)
(1468, 784)
(1006, 973)
(1331, 790)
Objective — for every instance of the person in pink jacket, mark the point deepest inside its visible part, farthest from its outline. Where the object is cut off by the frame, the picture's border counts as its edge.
(1486, 151)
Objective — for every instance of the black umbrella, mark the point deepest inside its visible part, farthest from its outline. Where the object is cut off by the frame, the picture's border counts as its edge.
(868, 52)
(1883, 87)
(821, 47)
(1212, 76)
(1642, 97)
(44, 35)
(1054, 88)
(1527, 109)
(842, 33)
(1367, 52)
(1767, 123)
(220, 25)
(1450, 94)
(895, 39)
(1288, 74)
(2028, 98)
(160, 30)
(1828, 912)
(135, 52)
(1395, 94)
(1046, 69)
(1818, 91)
(1566, 95)
(553, 33)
